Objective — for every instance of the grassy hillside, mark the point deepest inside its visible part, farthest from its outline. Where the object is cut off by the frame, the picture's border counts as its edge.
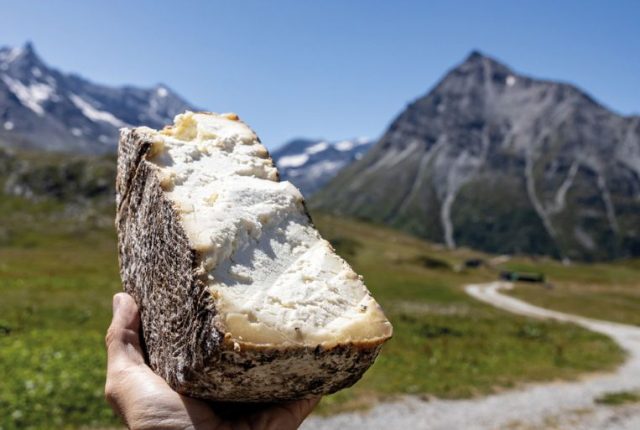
(445, 343)
(57, 279)
(602, 291)
(54, 311)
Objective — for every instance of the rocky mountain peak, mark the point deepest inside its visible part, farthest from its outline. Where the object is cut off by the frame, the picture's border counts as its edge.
(499, 161)
(481, 70)
(42, 108)
(19, 58)
(28, 53)
(477, 60)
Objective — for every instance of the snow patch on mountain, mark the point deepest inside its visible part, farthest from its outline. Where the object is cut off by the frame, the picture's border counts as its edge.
(10, 55)
(318, 147)
(43, 108)
(348, 145)
(293, 160)
(95, 114)
(310, 164)
(30, 96)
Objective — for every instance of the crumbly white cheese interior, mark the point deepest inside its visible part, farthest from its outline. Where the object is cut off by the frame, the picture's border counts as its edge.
(274, 279)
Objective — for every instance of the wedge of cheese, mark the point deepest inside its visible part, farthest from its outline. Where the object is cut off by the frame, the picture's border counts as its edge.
(240, 297)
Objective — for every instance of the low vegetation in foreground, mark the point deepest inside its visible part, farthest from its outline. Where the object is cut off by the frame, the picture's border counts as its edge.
(619, 398)
(57, 278)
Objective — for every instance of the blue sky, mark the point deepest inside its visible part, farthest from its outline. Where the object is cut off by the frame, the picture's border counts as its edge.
(331, 69)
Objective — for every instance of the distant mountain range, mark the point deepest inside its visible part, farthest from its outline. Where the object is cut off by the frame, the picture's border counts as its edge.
(310, 164)
(43, 108)
(489, 158)
(499, 161)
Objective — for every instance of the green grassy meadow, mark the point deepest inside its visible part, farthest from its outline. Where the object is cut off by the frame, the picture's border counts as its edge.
(601, 291)
(57, 278)
(618, 398)
(446, 344)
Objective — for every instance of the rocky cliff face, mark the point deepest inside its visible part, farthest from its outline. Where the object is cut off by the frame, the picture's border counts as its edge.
(499, 161)
(42, 108)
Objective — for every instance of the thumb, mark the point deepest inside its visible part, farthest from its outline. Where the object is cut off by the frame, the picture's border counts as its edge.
(123, 338)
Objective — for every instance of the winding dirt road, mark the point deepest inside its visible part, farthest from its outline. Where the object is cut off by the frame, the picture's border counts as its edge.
(557, 405)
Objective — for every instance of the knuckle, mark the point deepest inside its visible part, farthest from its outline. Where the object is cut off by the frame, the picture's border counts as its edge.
(111, 335)
(115, 386)
(110, 392)
(118, 335)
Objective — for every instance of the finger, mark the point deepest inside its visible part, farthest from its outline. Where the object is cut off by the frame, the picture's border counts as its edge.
(306, 406)
(139, 396)
(284, 416)
(123, 338)
(302, 408)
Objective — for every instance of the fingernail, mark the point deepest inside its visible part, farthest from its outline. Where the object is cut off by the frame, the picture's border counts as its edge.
(116, 303)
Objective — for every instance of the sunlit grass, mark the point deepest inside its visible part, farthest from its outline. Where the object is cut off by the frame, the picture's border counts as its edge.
(602, 291)
(55, 305)
(619, 398)
(445, 343)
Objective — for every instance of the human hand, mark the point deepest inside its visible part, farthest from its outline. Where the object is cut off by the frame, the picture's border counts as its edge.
(145, 401)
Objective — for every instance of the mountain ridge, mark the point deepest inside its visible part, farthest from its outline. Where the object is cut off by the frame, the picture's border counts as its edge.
(310, 163)
(484, 129)
(45, 109)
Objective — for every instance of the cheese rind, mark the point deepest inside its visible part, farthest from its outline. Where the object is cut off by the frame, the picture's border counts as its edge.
(275, 281)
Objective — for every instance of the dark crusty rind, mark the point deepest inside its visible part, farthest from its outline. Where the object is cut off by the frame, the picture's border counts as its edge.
(184, 342)
(157, 269)
(274, 374)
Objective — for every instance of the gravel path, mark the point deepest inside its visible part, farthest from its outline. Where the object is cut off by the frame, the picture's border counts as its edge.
(557, 405)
